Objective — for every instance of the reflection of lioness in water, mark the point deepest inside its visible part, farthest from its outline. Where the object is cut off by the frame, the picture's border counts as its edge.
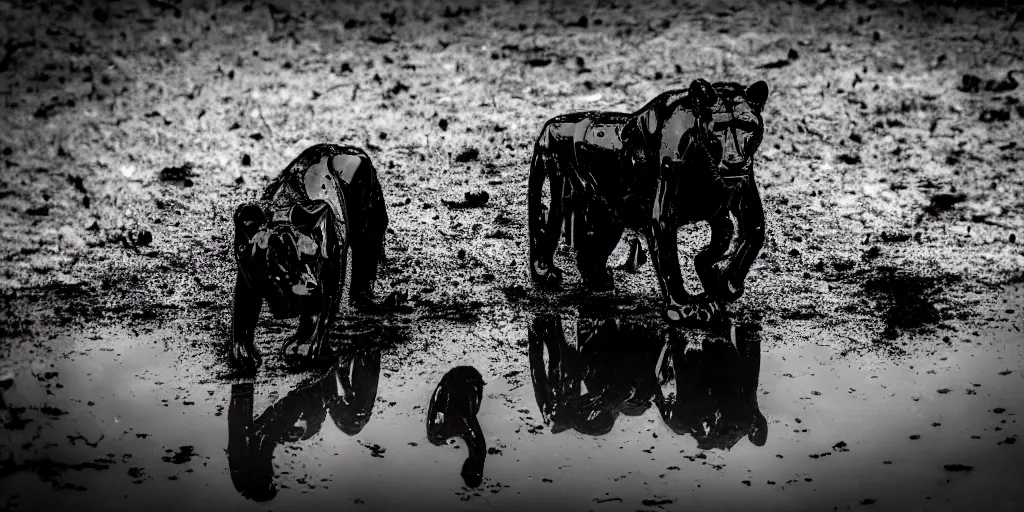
(709, 386)
(686, 156)
(612, 356)
(292, 247)
(347, 394)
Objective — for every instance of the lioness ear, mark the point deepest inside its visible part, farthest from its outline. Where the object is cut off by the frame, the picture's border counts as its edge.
(248, 219)
(702, 94)
(757, 94)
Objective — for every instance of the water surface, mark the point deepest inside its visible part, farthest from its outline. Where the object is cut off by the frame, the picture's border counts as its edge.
(579, 410)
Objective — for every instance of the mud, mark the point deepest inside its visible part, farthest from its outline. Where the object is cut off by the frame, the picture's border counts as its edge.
(887, 298)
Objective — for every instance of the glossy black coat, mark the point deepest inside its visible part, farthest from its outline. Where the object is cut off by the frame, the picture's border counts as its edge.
(347, 394)
(292, 248)
(702, 381)
(452, 413)
(686, 156)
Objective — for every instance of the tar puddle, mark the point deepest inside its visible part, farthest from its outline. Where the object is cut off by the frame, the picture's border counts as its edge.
(579, 410)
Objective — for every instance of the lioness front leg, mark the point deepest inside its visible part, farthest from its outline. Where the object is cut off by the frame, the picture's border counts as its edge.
(750, 228)
(713, 262)
(307, 344)
(248, 304)
(679, 306)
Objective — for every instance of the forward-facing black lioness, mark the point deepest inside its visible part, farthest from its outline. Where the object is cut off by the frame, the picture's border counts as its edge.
(686, 156)
(292, 248)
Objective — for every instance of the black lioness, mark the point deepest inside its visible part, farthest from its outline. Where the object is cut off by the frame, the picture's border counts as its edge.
(684, 157)
(292, 248)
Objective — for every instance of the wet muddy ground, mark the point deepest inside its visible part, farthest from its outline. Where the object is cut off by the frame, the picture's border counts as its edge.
(877, 358)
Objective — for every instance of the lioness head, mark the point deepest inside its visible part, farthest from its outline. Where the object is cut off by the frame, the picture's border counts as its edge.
(283, 256)
(737, 126)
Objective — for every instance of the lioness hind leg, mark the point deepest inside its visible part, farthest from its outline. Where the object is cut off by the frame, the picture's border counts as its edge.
(544, 219)
(596, 238)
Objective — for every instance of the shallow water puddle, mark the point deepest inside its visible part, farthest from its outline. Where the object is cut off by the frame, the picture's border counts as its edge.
(601, 412)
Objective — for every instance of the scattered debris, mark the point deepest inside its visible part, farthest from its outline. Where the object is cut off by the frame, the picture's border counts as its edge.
(179, 175)
(781, 63)
(990, 115)
(655, 503)
(376, 450)
(467, 155)
(473, 200)
(50, 410)
(134, 237)
(583, 22)
(849, 159)
(39, 211)
(396, 89)
(872, 253)
(944, 202)
(973, 83)
(183, 455)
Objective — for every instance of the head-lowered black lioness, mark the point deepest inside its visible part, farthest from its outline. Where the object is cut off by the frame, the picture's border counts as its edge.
(292, 247)
(684, 157)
